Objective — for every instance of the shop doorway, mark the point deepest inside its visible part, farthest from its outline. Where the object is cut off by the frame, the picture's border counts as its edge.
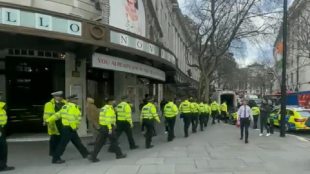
(29, 83)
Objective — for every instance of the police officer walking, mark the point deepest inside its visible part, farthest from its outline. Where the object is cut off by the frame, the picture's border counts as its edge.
(255, 112)
(202, 115)
(70, 116)
(208, 114)
(224, 112)
(170, 113)
(124, 121)
(107, 122)
(148, 116)
(215, 111)
(195, 115)
(54, 128)
(3, 143)
(185, 110)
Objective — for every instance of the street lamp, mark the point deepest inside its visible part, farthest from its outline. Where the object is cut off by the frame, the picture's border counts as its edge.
(283, 85)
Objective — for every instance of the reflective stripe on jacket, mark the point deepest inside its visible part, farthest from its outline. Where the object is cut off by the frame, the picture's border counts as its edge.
(215, 107)
(185, 107)
(255, 110)
(170, 110)
(194, 107)
(224, 107)
(149, 111)
(70, 115)
(123, 111)
(107, 116)
(49, 110)
(202, 108)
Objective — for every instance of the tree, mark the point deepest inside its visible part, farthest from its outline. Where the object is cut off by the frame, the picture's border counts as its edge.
(217, 24)
(227, 72)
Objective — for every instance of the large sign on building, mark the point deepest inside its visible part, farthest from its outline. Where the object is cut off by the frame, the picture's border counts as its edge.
(103, 61)
(16, 17)
(128, 15)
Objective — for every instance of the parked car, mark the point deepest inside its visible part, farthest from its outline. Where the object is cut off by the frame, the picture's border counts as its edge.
(296, 118)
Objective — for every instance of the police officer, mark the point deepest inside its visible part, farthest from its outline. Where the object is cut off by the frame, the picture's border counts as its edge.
(195, 115)
(170, 112)
(70, 116)
(185, 110)
(3, 143)
(124, 121)
(107, 122)
(224, 111)
(202, 115)
(255, 112)
(53, 128)
(215, 111)
(148, 116)
(208, 114)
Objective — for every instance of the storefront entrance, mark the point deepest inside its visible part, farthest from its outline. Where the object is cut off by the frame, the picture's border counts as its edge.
(29, 82)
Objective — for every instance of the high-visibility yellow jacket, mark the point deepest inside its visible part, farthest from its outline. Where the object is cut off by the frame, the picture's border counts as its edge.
(255, 111)
(215, 107)
(149, 111)
(107, 116)
(185, 107)
(3, 116)
(194, 107)
(208, 108)
(170, 110)
(123, 111)
(70, 115)
(49, 110)
(224, 107)
(202, 108)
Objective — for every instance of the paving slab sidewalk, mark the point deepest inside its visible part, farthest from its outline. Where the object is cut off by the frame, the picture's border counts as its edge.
(217, 150)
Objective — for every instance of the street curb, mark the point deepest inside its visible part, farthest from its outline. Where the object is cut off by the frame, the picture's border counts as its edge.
(300, 138)
(297, 137)
(35, 139)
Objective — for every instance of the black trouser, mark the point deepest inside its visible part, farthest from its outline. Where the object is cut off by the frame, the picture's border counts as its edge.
(214, 116)
(244, 126)
(154, 130)
(101, 140)
(271, 126)
(187, 122)
(3, 150)
(206, 120)
(195, 120)
(54, 141)
(263, 124)
(124, 126)
(69, 134)
(149, 125)
(255, 117)
(202, 118)
(170, 124)
(166, 125)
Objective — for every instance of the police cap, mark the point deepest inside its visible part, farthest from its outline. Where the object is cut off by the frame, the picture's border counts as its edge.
(57, 93)
(72, 97)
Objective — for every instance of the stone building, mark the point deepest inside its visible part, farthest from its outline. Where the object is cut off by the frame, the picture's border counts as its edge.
(93, 48)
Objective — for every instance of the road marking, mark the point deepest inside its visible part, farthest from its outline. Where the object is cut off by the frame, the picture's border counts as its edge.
(300, 138)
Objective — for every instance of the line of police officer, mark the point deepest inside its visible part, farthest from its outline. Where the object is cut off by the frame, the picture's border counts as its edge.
(63, 118)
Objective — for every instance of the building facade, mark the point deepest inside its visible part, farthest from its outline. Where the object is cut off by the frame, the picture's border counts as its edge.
(93, 48)
(298, 62)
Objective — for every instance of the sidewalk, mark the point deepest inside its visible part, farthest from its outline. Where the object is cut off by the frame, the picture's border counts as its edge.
(215, 151)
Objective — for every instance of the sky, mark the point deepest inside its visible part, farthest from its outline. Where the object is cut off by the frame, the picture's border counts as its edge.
(253, 51)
